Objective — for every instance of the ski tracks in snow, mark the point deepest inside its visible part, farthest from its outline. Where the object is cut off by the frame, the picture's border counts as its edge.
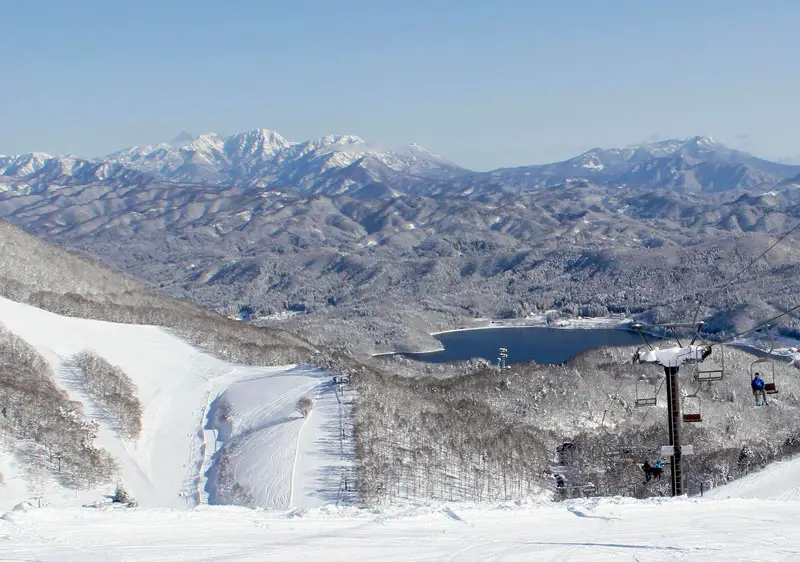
(266, 452)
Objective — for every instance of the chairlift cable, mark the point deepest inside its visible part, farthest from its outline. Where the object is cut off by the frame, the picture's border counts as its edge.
(765, 323)
(729, 282)
(694, 320)
(754, 260)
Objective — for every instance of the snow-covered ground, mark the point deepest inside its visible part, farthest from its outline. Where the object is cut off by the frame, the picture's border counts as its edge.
(578, 530)
(280, 456)
(265, 434)
(779, 481)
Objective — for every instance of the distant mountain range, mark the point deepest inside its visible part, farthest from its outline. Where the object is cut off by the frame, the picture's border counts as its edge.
(347, 165)
(344, 242)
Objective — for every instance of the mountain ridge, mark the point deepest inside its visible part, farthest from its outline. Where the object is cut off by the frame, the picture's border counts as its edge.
(348, 165)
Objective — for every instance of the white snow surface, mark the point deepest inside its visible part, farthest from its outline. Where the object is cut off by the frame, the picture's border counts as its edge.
(277, 450)
(578, 530)
(268, 435)
(779, 481)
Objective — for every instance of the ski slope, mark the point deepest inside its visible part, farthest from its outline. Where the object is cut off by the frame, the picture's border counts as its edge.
(720, 526)
(178, 385)
(779, 481)
(579, 530)
(264, 435)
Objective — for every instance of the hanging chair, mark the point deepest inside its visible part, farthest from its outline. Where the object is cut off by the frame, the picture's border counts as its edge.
(691, 409)
(645, 393)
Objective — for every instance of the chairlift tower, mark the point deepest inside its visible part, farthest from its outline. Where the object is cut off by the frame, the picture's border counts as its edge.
(672, 359)
(502, 361)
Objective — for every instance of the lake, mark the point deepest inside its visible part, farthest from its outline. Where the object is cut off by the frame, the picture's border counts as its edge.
(543, 345)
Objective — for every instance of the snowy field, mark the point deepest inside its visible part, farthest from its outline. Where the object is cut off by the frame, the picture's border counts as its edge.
(580, 530)
(281, 459)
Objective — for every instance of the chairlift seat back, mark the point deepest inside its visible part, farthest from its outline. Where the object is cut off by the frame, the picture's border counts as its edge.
(692, 418)
(770, 388)
(710, 375)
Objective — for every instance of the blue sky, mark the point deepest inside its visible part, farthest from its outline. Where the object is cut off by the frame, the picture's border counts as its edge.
(486, 84)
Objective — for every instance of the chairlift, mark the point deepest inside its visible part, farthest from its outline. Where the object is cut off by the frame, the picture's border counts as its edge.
(713, 367)
(766, 368)
(765, 364)
(691, 409)
(645, 393)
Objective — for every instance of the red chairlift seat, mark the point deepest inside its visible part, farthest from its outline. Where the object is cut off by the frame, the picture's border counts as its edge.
(694, 413)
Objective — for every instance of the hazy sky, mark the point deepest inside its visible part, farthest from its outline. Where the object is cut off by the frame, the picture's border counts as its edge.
(484, 83)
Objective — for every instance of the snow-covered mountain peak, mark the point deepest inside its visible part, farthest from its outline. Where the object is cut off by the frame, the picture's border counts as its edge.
(23, 165)
(345, 163)
(338, 141)
(206, 142)
(671, 146)
(258, 141)
(422, 152)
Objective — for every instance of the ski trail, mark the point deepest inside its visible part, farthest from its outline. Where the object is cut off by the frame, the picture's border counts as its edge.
(271, 456)
(197, 458)
(297, 446)
(67, 377)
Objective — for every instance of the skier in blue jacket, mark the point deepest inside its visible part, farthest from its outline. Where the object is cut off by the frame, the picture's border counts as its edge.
(757, 385)
(658, 469)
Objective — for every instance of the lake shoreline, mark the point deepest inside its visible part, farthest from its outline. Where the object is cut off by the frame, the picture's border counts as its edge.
(546, 344)
(787, 349)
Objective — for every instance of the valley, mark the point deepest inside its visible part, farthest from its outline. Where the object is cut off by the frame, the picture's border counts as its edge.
(377, 271)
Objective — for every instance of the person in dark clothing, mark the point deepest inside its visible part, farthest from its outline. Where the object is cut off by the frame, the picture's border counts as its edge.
(757, 385)
(648, 471)
(658, 469)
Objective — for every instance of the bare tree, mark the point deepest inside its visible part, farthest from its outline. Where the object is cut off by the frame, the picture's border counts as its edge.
(305, 405)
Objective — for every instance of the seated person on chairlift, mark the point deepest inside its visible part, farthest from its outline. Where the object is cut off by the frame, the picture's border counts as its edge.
(658, 469)
(653, 471)
(758, 388)
(648, 471)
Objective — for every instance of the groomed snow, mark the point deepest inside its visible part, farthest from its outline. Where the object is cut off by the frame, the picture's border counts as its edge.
(579, 530)
(177, 385)
(265, 436)
(779, 481)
